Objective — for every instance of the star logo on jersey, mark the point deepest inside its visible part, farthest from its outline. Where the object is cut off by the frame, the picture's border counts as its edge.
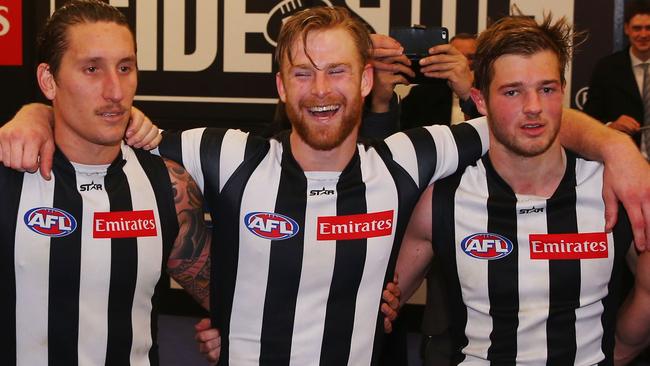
(50, 221)
(270, 225)
(486, 246)
(92, 186)
(568, 246)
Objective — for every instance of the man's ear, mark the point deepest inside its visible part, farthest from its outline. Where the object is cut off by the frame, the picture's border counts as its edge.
(479, 100)
(46, 80)
(280, 86)
(367, 80)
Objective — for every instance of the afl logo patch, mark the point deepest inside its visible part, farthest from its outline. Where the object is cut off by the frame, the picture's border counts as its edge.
(49, 221)
(270, 225)
(486, 246)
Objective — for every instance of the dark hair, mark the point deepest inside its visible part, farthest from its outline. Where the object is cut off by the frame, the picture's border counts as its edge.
(522, 35)
(53, 40)
(319, 18)
(635, 7)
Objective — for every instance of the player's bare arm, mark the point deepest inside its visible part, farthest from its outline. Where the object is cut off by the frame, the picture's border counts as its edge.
(633, 325)
(189, 260)
(588, 137)
(416, 252)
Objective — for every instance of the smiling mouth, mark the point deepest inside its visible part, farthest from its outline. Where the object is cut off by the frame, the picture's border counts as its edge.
(324, 110)
(532, 125)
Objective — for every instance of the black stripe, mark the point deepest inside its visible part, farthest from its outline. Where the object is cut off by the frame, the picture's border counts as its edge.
(400, 13)
(210, 154)
(285, 264)
(225, 211)
(503, 278)
(444, 247)
(427, 156)
(170, 147)
(11, 183)
(497, 9)
(431, 13)
(157, 174)
(564, 275)
(408, 194)
(124, 268)
(468, 142)
(466, 16)
(369, 3)
(622, 235)
(65, 269)
(348, 268)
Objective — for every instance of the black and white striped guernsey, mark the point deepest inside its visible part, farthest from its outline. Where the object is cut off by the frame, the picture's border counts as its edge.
(532, 280)
(81, 261)
(300, 258)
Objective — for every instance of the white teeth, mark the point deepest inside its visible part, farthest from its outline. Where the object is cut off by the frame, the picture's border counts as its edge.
(531, 126)
(324, 108)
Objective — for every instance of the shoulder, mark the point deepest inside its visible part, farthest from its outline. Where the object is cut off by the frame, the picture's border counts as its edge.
(616, 59)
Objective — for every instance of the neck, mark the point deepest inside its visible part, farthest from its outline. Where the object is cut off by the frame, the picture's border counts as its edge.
(538, 175)
(334, 160)
(81, 151)
(643, 56)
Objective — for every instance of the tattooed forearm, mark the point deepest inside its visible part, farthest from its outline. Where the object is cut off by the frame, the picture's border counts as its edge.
(189, 260)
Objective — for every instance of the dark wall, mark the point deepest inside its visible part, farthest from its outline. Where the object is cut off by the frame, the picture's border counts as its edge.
(214, 94)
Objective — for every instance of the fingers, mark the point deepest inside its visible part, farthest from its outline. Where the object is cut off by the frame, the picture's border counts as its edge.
(141, 132)
(46, 158)
(209, 340)
(388, 326)
(611, 208)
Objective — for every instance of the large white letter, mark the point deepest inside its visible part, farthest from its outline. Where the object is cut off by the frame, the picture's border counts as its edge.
(4, 22)
(146, 31)
(236, 24)
(175, 58)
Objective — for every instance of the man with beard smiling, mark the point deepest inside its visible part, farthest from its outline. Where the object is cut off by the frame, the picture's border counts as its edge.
(309, 222)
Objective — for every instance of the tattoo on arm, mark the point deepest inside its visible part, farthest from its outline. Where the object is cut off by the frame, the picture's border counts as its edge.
(189, 261)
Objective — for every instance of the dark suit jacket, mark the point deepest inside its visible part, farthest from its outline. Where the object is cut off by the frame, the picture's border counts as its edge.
(427, 104)
(613, 91)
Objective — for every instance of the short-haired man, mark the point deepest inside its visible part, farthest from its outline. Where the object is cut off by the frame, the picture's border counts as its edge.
(532, 275)
(616, 89)
(310, 221)
(82, 254)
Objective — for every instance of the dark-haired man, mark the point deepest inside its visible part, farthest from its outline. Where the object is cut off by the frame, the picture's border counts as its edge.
(82, 253)
(618, 92)
(533, 278)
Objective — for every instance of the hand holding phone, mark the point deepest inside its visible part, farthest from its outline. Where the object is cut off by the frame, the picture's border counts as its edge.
(416, 41)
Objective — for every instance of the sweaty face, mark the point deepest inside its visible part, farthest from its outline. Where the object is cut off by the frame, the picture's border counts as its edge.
(525, 103)
(324, 99)
(638, 32)
(93, 90)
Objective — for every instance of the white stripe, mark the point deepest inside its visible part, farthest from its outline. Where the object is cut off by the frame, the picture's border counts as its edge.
(191, 154)
(446, 151)
(233, 148)
(94, 282)
(375, 174)
(594, 283)
(473, 273)
(149, 261)
(316, 274)
(404, 154)
(534, 285)
(253, 264)
(32, 263)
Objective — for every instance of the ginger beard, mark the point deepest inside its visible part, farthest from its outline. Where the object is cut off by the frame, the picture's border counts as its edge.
(325, 136)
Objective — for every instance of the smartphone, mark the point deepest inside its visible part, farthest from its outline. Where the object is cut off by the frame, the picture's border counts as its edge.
(416, 40)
